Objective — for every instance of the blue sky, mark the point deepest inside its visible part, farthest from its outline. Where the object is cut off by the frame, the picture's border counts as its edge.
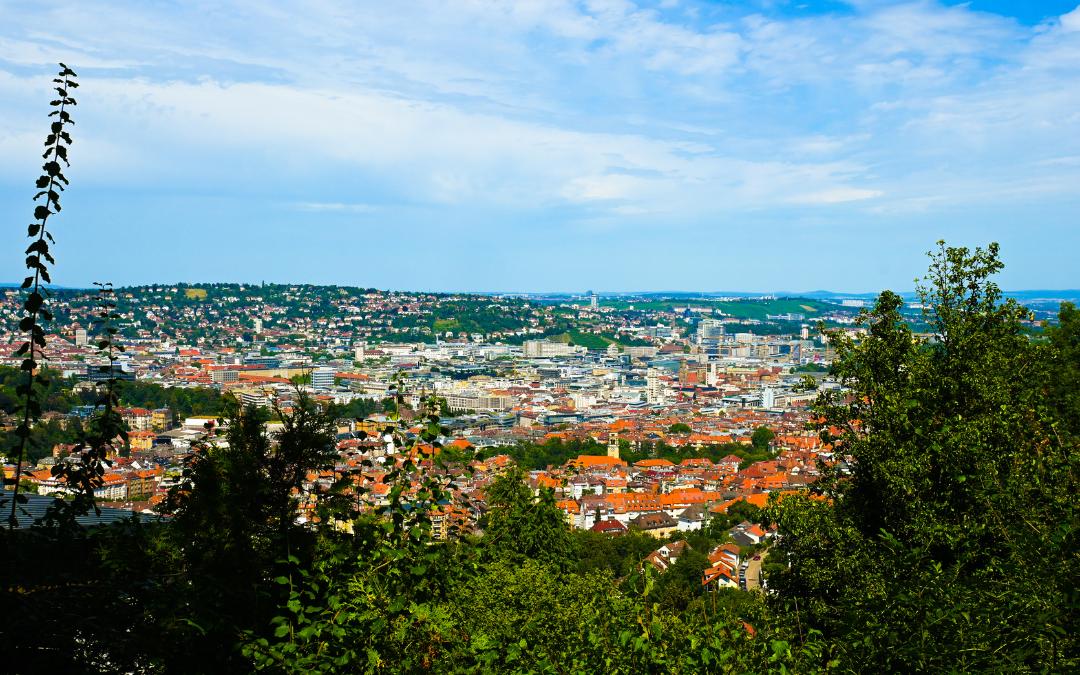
(544, 145)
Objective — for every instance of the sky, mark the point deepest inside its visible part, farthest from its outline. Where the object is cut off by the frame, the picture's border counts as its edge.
(548, 145)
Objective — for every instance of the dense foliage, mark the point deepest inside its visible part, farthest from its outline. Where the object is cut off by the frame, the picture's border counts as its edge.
(953, 543)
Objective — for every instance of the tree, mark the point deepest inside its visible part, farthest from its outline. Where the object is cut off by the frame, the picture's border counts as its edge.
(761, 438)
(681, 583)
(522, 526)
(1062, 355)
(234, 520)
(960, 457)
(679, 428)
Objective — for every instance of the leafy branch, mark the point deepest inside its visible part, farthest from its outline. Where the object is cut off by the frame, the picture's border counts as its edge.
(84, 471)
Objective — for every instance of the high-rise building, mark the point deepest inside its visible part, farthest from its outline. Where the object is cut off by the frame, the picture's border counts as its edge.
(322, 379)
(654, 386)
(594, 301)
(80, 337)
(710, 329)
(768, 397)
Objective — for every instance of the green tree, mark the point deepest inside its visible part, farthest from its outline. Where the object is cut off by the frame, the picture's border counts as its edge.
(761, 438)
(1062, 356)
(680, 584)
(954, 520)
(522, 526)
(234, 520)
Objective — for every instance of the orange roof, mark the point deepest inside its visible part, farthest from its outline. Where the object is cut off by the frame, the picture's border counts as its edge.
(584, 461)
(696, 461)
(352, 376)
(646, 463)
(759, 499)
(568, 505)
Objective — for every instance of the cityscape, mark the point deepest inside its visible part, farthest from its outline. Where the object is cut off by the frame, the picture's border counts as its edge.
(482, 337)
(690, 377)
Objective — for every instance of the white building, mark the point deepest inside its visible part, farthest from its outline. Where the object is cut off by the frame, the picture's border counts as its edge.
(654, 387)
(710, 329)
(541, 349)
(322, 379)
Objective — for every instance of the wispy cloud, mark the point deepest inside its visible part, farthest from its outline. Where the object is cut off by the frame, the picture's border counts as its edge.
(504, 114)
(838, 195)
(333, 207)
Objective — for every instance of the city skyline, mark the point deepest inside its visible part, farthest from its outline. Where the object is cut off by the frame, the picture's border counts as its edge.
(551, 146)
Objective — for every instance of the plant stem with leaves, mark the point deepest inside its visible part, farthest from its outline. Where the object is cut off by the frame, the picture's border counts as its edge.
(50, 184)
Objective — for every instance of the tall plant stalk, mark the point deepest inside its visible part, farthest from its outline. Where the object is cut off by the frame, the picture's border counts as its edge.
(50, 184)
(107, 426)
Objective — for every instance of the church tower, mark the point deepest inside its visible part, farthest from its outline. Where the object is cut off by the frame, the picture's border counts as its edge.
(613, 445)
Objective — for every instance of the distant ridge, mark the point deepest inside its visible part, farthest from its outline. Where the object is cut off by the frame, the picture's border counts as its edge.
(1041, 295)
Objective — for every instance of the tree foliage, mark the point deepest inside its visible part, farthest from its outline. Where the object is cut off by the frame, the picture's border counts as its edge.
(953, 542)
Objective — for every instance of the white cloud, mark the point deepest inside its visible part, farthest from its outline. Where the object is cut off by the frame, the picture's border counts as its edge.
(837, 195)
(1070, 22)
(537, 103)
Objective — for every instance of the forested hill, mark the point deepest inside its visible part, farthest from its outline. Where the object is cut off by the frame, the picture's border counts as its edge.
(226, 312)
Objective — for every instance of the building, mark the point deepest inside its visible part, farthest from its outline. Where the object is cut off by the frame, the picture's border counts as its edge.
(267, 362)
(666, 556)
(710, 329)
(642, 352)
(322, 379)
(613, 445)
(612, 527)
(475, 400)
(161, 419)
(658, 524)
(654, 387)
(105, 373)
(542, 349)
(224, 376)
